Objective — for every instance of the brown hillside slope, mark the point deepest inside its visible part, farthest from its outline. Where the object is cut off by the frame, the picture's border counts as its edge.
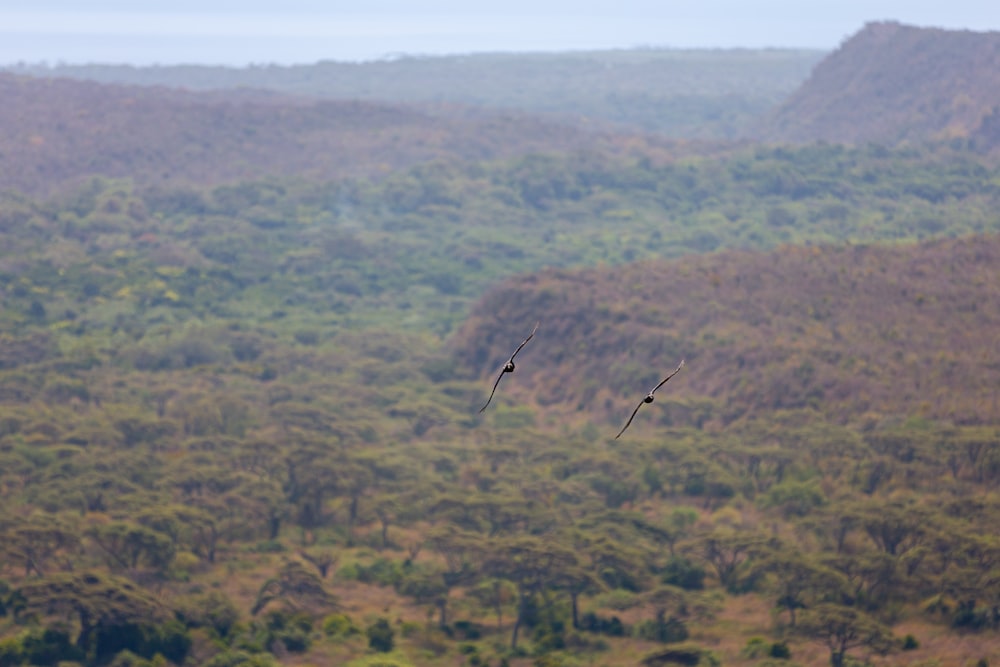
(60, 131)
(891, 83)
(850, 331)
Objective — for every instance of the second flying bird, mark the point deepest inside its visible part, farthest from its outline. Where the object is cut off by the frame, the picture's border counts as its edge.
(649, 398)
(509, 366)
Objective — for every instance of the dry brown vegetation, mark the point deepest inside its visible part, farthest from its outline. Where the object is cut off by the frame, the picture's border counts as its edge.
(890, 83)
(847, 331)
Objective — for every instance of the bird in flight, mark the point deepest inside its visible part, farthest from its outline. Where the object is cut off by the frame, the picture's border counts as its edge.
(649, 398)
(509, 366)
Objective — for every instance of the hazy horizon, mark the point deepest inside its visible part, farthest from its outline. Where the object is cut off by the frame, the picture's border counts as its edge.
(224, 32)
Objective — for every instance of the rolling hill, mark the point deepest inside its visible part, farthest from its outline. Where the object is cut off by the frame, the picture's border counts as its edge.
(709, 94)
(61, 132)
(852, 332)
(891, 83)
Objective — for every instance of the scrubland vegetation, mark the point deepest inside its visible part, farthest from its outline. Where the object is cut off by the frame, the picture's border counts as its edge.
(239, 421)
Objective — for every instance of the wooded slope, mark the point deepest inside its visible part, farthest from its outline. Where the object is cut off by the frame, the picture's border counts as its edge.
(891, 83)
(852, 332)
(59, 132)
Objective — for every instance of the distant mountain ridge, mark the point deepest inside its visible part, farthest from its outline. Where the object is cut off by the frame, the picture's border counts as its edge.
(893, 83)
(59, 132)
(688, 93)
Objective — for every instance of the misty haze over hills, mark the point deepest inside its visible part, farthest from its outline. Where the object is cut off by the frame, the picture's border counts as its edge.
(876, 86)
(685, 93)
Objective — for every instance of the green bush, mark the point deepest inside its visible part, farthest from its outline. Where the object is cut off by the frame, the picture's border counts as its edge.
(380, 636)
(170, 639)
(382, 572)
(664, 631)
(339, 625)
(292, 629)
(780, 650)
(210, 610)
(46, 647)
(683, 573)
(591, 622)
(241, 659)
(468, 629)
(757, 647)
(11, 652)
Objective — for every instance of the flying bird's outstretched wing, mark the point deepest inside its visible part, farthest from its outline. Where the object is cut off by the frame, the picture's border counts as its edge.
(509, 366)
(649, 398)
(676, 370)
(523, 343)
(634, 413)
(495, 385)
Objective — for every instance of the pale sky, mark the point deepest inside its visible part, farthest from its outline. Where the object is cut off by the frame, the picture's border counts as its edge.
(242, 32)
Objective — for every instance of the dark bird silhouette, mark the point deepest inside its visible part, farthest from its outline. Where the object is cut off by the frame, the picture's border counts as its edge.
(509, 366)
(649, 398)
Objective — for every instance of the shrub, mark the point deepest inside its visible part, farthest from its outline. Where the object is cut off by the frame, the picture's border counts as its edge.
(282, 628)
(780, 650)
(591, 622)
(241, 659)
(910, 643)
(793, 499)
(756, 647)
(339, 625)
(210, 610)
(684, 573)
(468, 629)
(664, 631)
(550, 636)
(619, 600)
(380, 636)
(383, 572)
(47, 647)
(409, 628)
(11, 652)
(170, 639)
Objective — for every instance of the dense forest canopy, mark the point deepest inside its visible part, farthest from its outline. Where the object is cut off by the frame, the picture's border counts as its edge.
(240, 410)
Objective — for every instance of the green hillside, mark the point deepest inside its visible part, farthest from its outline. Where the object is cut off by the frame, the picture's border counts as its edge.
(240, 424)
(414, 249)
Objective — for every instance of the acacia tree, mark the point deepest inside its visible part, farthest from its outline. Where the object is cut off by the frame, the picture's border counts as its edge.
(127, 545)
(843, 628)
(895, 527)
(296, 586)
(797, 580)
(495, 594)
(577, 581)
(36, 541)
(321, 559)
(727, 551)
(187, 527)
(427, 587)
(532, 564)
(459, 550)
(98, 601)
(387, 508)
